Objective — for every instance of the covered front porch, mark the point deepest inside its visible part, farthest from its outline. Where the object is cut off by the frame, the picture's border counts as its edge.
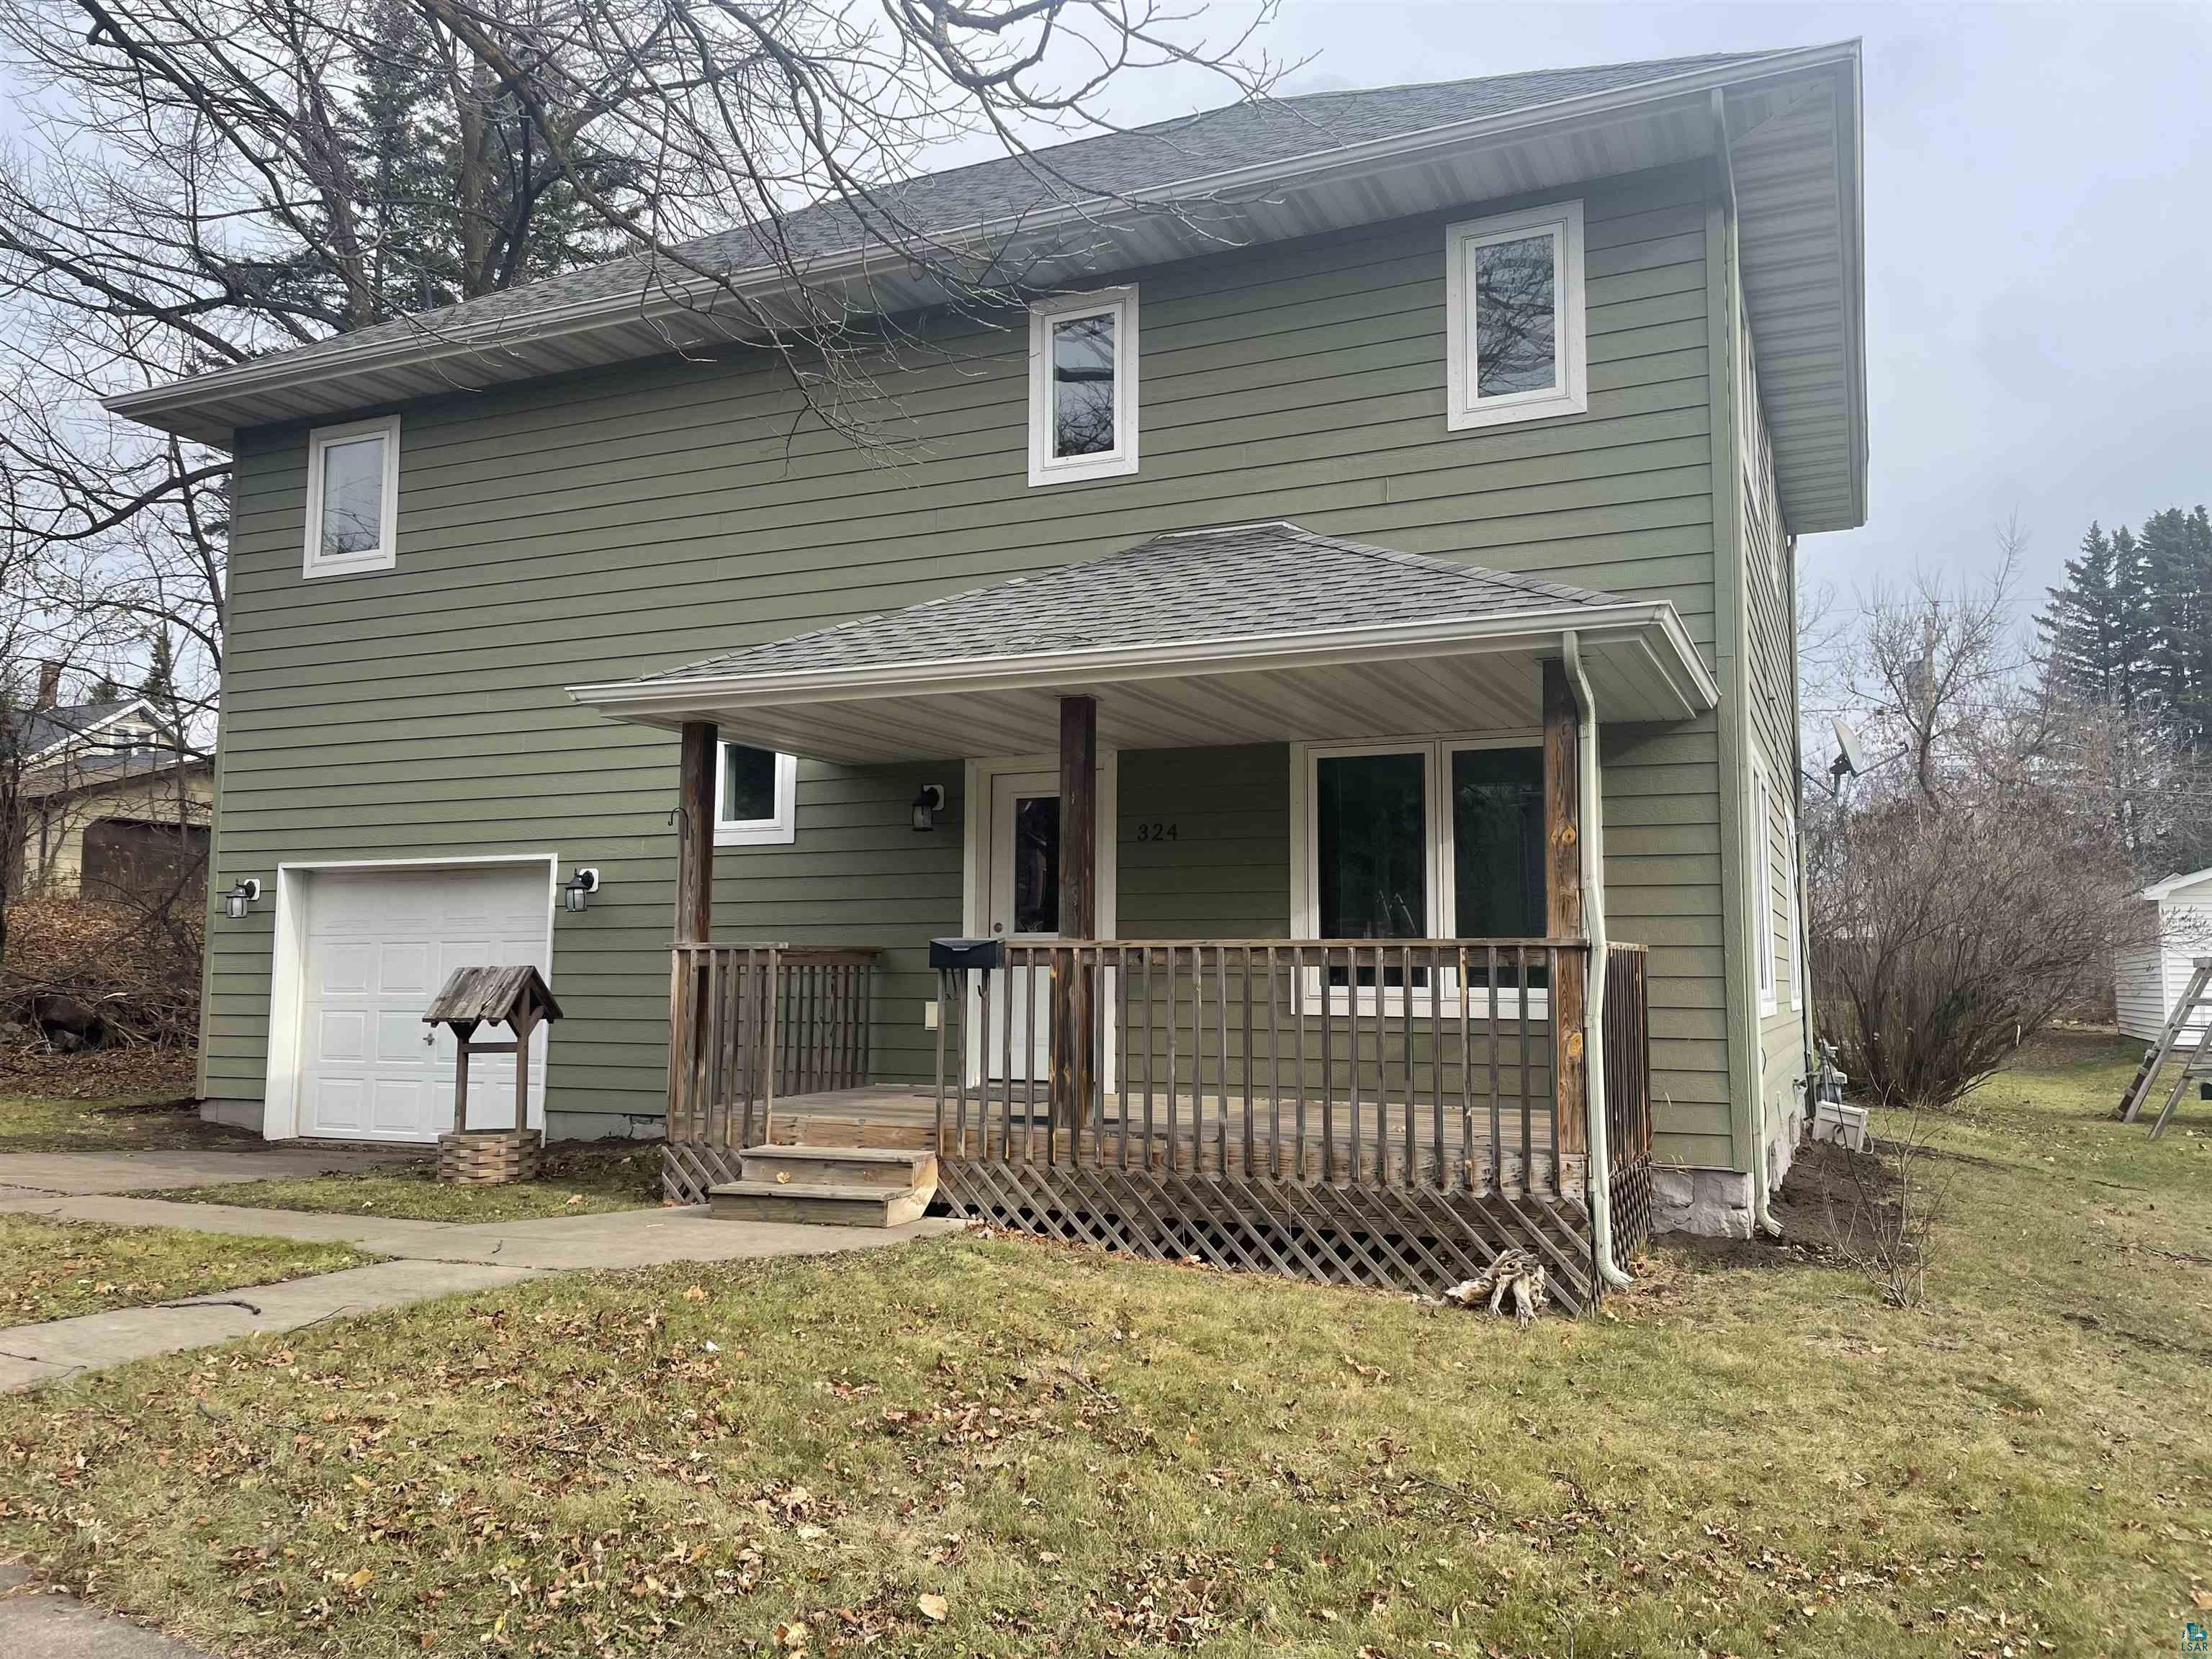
(1392, 1089)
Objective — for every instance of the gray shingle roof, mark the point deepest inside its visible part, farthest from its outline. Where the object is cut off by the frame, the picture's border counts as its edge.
(1247, 581)
(1144, 159)
(48, 727)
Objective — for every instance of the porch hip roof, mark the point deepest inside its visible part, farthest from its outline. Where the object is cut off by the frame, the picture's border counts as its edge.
(1250, 633)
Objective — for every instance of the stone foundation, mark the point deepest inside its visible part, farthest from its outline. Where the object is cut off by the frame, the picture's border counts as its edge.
(1718, 1202)
(1715, 1202)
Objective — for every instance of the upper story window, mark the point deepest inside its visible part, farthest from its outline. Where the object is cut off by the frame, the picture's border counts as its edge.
(755, 796)
(1083, 386)
(353, 497)
(1514, 317)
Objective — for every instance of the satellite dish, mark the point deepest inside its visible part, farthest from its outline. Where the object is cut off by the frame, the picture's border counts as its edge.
(1850, 759)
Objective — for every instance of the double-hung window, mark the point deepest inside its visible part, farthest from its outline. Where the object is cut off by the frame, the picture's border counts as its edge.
(1428, 838)
(1083, 386)
(755, 796)
(1514, 320)
(353, 498)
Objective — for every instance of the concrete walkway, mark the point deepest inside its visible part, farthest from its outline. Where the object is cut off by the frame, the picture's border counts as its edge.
(25, 1173)
(39, 1625)
(432, 1259)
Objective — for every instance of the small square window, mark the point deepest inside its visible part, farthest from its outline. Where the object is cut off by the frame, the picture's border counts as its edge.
(353, 498)
(1083, 386)
(1514, 318)
(756, 793)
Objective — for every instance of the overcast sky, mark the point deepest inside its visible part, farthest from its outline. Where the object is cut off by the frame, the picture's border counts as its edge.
(2038, 203)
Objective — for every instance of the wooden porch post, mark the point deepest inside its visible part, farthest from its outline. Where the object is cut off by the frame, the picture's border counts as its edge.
(1563, 901)
(695, 834)
(694, 913)
(1072, 986)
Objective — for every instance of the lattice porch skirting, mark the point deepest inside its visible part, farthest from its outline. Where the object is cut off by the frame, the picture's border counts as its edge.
(1631, 1207)
(687, 1170)
(1408, 1238)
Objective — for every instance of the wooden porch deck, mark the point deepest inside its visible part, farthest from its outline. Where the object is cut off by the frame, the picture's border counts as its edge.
(1208, 1140)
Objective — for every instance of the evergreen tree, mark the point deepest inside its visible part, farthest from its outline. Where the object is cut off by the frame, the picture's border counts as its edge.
(2096, 631)
(2177, 549)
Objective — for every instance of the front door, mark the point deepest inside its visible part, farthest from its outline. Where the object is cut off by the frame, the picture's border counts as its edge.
(1023, 909)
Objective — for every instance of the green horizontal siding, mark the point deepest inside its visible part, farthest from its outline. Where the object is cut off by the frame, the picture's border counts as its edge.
(604, 524)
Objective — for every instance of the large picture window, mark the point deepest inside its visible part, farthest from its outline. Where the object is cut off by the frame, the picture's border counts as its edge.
(1517, 334)
(755, 796)
(353, 498)
(1421, 839)
(1083, 386)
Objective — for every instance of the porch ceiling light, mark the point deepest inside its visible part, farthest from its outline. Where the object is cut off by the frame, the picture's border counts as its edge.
(239, 899)
(576, 891)
(926, 805)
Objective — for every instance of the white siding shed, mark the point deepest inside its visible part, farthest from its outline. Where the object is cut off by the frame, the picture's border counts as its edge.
(2149, 979)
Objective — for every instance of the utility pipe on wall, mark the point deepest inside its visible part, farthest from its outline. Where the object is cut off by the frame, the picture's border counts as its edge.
(1593, 850)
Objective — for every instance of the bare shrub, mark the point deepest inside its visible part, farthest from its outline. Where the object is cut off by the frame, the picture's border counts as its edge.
(1968, 888)
(1900, 1192)
(139, 984)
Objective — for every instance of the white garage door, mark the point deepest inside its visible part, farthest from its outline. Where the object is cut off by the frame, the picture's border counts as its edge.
(378, 944)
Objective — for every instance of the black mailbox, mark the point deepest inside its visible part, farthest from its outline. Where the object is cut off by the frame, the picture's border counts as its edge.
(958, 953)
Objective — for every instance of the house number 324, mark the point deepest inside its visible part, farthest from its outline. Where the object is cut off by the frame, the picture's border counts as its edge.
(1156, 831)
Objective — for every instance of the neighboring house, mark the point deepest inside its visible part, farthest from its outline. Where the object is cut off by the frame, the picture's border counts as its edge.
(110, 809)
(1298, 548)
(2150, 978)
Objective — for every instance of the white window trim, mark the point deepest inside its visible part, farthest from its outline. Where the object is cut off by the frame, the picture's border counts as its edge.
(1570, 327)
(1762, 890)
(1305, 874)
(1119, 461)
(386, 553)
(779, 831)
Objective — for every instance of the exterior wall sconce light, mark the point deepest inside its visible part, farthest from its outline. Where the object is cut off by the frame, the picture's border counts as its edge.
(579, 888)
(926, 805)
(239, 899)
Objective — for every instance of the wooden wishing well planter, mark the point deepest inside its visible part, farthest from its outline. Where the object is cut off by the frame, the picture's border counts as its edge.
(471, 997)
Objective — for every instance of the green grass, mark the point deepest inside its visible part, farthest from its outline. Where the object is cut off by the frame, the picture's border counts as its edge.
(38, 1125)
(579, 1178)
(56, 1269)
(1084, 1455)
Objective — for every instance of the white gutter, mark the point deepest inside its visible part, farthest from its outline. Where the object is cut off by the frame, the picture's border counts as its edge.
(1592, 849)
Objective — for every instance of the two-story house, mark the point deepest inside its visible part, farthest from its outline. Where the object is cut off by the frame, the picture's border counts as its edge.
(1338, 658)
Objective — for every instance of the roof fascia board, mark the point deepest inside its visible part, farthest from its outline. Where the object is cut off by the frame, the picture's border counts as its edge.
(1646, 623)
(682, 298)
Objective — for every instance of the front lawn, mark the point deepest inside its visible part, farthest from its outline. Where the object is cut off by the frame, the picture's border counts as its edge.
(989, 1445)
(56, 1269)
(579, 1178)
(39, 1124)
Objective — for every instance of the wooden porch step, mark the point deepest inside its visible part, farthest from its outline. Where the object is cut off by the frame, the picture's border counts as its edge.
(819, 1205)
(801, 1165)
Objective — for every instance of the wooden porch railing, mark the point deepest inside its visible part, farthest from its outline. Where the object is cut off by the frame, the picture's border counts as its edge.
(1343, 1062)
(1627, 1031)
(753, 1024)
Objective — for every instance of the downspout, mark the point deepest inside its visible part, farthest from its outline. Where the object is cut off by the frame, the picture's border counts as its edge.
(1593, 850)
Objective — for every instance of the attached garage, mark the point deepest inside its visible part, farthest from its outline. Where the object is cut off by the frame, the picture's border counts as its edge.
(360, 949)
